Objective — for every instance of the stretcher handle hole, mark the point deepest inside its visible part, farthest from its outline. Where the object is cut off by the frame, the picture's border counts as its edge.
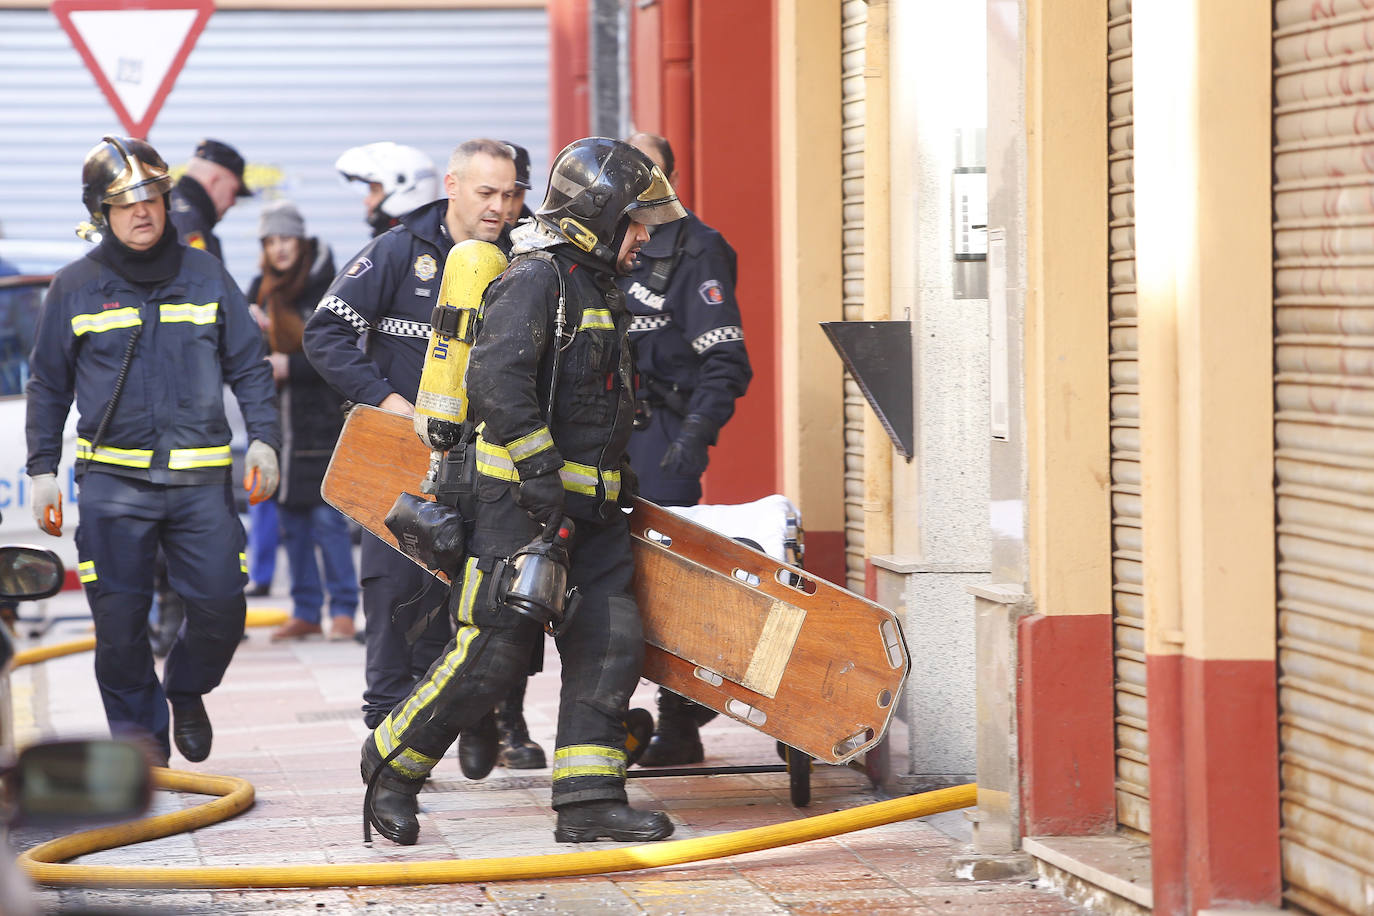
(892, 643)
(853, 742)
(793, 579)
(742, 710)
(745, 576)
(658, 537)
(884, 699)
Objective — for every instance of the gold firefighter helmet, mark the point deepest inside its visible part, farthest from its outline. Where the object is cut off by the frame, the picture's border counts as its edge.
(121, 170)
(596, 186)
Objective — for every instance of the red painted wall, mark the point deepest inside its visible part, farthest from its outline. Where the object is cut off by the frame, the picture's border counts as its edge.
(569, 110)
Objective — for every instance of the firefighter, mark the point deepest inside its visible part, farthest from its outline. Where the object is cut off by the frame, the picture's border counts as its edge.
(389, 290)
(212, 184)
(554, 330)
(144, 332)
(692, 363)
(399, 179)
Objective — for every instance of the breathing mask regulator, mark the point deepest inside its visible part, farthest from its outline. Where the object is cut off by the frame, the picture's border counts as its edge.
(533, 581)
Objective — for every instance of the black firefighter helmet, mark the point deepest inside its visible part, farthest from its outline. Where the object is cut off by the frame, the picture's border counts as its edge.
(121, 170)
(596, 186)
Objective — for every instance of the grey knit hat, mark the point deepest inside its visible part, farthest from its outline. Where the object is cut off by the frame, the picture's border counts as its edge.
(280, 217)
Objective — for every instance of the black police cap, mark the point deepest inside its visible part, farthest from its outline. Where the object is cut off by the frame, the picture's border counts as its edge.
(225, 155)
(522, 165)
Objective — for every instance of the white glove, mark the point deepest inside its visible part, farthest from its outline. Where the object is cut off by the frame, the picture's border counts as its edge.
(260, 471)
(47, 503)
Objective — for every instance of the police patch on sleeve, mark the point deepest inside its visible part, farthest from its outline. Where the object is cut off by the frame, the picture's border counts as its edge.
(426, 267)
(711, 292)
(195, 240)
(359, 267)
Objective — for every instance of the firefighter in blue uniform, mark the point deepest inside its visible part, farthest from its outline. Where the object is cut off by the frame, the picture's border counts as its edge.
(388, 292)
(550, 382)
(212, 184)
(143, 333)
(689, 351)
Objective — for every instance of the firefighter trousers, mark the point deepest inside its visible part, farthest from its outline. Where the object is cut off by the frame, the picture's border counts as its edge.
(601, 652)
(123, 522)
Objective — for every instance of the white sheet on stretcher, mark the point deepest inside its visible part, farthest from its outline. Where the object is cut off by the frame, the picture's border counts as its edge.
(763, 521)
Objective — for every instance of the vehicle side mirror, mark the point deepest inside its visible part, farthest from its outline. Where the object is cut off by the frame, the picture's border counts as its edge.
(68, 782)
(29, 573)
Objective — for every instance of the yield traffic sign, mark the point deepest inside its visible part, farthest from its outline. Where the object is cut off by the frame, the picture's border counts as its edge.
(134, 49)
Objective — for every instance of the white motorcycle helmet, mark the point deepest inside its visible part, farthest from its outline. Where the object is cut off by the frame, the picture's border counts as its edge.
(407, 176)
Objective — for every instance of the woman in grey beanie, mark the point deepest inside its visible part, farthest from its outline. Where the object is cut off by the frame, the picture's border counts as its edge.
(296, 270)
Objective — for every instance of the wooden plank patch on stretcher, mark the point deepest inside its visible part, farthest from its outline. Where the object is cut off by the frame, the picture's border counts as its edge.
(804, 661)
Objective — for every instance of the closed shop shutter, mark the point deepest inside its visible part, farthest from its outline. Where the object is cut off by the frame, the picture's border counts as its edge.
(1324, 437)
(1128, 581)
(853, 36)
(291, 89)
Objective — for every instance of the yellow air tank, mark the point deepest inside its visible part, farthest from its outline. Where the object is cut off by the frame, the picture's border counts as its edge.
(441, 406)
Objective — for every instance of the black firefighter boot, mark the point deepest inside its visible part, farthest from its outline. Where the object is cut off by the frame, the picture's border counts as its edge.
(517, 750)
(477, 748)
(395, 814)
(586, 822)
(676, 740)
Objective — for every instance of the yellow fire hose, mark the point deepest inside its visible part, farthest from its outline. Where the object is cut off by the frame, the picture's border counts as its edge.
(265, 617)
(46, 863)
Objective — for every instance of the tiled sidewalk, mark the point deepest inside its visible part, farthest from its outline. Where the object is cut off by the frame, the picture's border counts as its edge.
(286, 720)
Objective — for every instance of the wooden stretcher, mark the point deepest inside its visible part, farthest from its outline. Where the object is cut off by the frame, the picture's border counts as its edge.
(804, 661)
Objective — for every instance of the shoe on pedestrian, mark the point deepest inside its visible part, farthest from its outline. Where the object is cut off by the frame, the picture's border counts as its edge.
(295, 628)
(341, 628)
(676, 740)
(517, 751)
(585, 822)
(477, 748)
(257, 590)
(639, 728)
(191, 730)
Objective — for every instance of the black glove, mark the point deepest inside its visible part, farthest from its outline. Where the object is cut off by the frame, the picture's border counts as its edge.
(629, 485)
(686, 456)
(542, 497)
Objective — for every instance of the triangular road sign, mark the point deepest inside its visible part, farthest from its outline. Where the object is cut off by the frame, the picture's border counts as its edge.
(134, 49)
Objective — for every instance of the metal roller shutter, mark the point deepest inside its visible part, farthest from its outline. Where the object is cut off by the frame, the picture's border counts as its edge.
(291, 89)
(1324, 430)
(853, 36)
(1128, 581)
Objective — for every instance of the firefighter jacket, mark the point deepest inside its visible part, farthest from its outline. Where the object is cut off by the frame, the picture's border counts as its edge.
(311, 411)
(510, 378)
(387, 292)
(195, 335)
(688, 344)
(193, 213)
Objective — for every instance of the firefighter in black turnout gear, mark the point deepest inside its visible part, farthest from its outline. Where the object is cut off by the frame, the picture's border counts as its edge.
(689, 351)
(550, 386)
(388, 292)
(144, 332)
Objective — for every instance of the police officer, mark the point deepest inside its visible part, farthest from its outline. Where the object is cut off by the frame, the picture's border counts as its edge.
(550, 378)
(144, 332)
(389, 291)
(212, 184)
(689, 350)
(399, 179)
(516, 210)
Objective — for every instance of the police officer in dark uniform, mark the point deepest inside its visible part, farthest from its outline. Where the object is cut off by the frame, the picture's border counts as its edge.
(689, 350)
(550, 380)
(212, 184)
(388, 291)
(144, 333)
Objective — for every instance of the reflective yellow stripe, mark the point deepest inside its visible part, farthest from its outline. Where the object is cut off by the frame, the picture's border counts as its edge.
(243, 562)
(85, 571)
(597, 319)
(125, 457)
(389, 734)
(527, 446)
(472, 587)
(588, 760)
(185, 459)
(188, 311)
(96, 322)
(495, 461)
